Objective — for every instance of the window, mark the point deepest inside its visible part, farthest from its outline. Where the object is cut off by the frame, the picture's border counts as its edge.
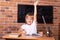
(46, 11)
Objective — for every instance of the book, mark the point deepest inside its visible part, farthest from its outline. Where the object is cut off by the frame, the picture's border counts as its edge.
(15, 35)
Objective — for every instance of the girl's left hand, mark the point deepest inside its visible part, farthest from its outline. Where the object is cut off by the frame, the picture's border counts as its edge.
(36, 3)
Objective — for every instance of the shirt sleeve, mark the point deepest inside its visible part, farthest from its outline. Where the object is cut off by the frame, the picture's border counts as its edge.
(34, 24)
(22, 27)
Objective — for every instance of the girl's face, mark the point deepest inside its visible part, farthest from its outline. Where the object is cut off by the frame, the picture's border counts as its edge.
(29, 20)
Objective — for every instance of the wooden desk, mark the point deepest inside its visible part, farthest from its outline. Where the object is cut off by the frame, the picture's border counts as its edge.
(28, 38)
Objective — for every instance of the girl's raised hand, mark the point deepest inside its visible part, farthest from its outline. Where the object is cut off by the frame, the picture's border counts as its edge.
(35, 3)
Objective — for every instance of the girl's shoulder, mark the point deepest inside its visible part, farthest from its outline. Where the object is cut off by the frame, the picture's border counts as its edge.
(23, 24)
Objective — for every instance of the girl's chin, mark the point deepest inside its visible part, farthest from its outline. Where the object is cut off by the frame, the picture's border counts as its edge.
(29, 24)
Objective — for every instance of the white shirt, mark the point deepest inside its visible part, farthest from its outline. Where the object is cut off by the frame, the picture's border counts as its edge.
(30, 29)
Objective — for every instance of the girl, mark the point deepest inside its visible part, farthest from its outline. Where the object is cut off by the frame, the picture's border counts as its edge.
(29, 27)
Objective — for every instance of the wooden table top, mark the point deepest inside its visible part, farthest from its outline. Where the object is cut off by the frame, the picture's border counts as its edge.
(30, 37)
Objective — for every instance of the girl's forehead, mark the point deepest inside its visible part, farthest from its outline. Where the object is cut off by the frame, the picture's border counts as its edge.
(29, 17)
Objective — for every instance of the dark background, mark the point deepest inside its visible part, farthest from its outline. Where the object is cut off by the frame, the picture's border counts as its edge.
(46, 11)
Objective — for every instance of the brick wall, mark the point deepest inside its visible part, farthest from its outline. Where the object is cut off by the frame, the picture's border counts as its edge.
(8, 13)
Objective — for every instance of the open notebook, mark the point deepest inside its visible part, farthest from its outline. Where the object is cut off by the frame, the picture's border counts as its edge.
(14, 35)
(34, 35)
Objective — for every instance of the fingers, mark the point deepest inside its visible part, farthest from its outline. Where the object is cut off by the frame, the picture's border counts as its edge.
(36, 2)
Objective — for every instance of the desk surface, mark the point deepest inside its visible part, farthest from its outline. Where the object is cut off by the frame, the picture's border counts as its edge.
(29, 37)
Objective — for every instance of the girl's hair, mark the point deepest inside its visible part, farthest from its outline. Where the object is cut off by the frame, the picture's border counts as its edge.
(29, 15)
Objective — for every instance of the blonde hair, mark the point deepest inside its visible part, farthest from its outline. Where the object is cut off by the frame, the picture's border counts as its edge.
(30, 15)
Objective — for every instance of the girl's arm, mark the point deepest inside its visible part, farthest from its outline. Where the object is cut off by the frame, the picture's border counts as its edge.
(35, 11)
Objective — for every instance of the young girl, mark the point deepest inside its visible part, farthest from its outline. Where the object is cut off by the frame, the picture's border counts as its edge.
(30, 26)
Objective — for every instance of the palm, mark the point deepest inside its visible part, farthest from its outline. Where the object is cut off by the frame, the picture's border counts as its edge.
(36, 3)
